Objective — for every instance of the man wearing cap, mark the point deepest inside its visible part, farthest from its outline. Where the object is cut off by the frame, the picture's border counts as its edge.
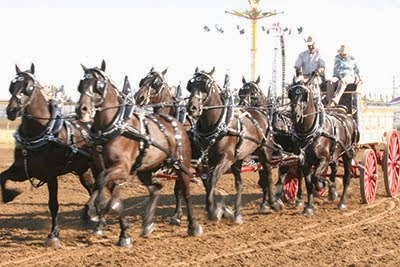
(309, 60)
(345, 71)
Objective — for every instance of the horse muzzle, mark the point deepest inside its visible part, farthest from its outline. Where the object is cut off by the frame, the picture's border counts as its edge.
(13, 113)
(84, 112)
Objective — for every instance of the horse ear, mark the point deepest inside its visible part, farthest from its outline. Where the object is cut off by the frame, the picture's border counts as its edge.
(243, 80)
(32, 68)
(197, 69)
(165, 71)
(258, 80)
(84, 68)
(212, 71)
(17, 69)
(152, 69)
(103, 65)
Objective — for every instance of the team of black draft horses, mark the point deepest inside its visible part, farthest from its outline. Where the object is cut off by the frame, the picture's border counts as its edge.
(115, 135)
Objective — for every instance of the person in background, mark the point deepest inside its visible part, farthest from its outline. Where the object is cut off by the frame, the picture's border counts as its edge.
(310, 60)
(345, 71)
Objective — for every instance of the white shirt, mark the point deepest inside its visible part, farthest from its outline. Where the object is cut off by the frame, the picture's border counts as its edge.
(308, 62)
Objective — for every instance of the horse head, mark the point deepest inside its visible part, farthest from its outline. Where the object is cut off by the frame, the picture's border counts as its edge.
(152, 88)
(93, 88)
(203, 90)
(21, 88)
(251, 95)
(305, 101)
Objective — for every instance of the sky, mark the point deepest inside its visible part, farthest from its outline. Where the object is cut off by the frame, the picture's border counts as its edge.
(133, 36)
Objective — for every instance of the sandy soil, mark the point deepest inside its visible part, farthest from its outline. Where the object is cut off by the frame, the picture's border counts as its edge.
(365, 235)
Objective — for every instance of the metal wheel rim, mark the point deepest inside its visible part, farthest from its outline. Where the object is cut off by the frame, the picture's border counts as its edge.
(390, 166)
(368, 176)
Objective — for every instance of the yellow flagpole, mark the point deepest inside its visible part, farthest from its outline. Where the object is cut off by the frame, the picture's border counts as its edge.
(254, 15)
(254, 51)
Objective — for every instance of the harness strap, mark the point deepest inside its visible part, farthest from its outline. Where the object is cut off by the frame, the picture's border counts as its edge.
(31, 179)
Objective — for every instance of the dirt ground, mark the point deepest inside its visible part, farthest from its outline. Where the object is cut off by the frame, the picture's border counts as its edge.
(365, 235)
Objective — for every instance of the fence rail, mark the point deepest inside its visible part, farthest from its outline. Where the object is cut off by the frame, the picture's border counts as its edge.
(67, 110)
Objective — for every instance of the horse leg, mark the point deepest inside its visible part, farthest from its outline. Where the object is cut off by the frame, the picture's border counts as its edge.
(237, 217)
(100, 199)
(265, 182)
(309, 208)
(332, 178)
(13, 173)
(176, 219)
(283, 171)
(154, 194)
(299, 198)
(87, 181)
(124, 240)
(346, 182)
(215, 210)
(194, 228)
(53, 239)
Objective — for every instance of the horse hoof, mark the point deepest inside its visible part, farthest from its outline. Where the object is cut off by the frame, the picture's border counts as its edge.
(53, 242)
(277, 205)
(216, 214)
(94, 218)
(299, 203)
(332, 194)
(197, 230)
(265, 209)
(228, 213)
(238, 219)
(125, 242)
(175, 221)
(97, 232)
(147, 230)
(342, 207)
(308, 211)
(10, 195)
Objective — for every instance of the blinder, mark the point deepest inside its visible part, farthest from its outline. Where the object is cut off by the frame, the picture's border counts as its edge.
(298, 90)
(20, 78)
(100, 84)
(156, 84)
(197, 78)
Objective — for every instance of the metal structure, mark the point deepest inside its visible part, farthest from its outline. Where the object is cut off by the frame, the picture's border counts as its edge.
(254, 14)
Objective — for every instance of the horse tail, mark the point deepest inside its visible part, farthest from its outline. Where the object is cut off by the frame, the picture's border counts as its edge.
(356, 133)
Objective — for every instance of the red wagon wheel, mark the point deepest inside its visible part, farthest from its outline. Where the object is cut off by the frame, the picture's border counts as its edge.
(291, 186)
(391, 164)
(368, 176)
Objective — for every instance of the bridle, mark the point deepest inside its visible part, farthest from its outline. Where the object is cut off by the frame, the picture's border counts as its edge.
(254, 95)
(96, 89)
(23, 95)
(316, 129)
(156, 85)
(209, 86)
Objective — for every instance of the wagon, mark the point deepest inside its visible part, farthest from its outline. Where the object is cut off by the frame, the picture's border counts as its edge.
(379, 143)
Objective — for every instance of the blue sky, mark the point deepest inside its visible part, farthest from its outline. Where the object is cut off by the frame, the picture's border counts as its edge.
(133, 36)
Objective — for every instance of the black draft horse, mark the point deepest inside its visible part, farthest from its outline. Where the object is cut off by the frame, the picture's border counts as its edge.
(321, 140)
(250, 95)
(132, 143)
(47, 145)
(227, 136)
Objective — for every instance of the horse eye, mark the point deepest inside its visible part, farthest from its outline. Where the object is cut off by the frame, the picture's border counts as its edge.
(198, 79)
(20, 78)
(298, 91)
